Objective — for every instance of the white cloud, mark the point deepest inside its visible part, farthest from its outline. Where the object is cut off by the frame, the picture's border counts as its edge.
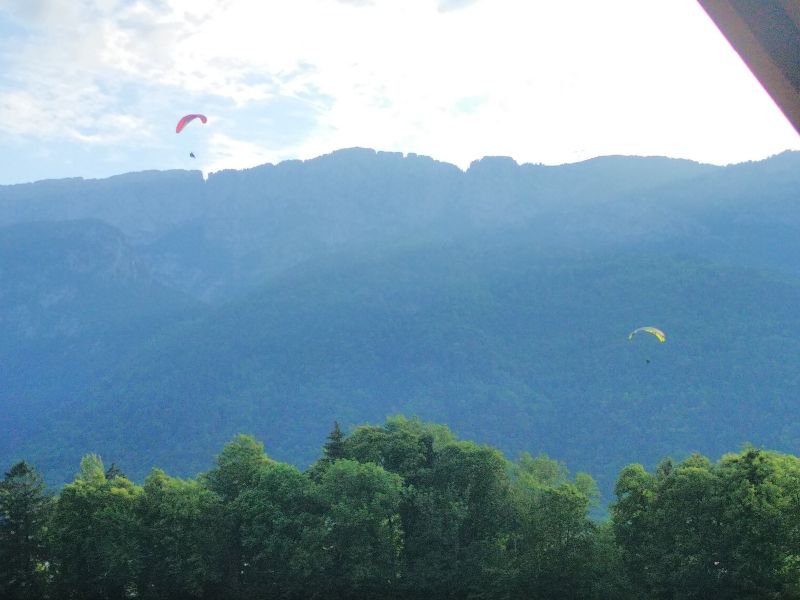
(225, 152)
(448, 5)
(357, 2)
(543, 82)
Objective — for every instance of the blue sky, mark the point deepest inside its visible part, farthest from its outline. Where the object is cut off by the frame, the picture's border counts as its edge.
(94, 88)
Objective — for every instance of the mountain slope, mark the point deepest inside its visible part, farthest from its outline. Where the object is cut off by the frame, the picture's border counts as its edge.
(359, 284)
(75, 299)
(521, 352)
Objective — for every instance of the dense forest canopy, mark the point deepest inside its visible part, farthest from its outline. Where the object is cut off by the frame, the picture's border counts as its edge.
(404, 510)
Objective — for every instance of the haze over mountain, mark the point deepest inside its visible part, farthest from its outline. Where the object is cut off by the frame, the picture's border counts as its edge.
(150, 316)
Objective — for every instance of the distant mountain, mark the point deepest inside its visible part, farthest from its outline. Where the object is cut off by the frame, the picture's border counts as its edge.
(218, 238)
(526, 354)
(74, 300)
(361, 284)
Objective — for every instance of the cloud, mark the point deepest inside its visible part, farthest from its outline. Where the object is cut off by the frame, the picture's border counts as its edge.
(82, 118)
(226, 152)
(470, 104)
(56, 81)
(302, 78)
(449, 5)
(32, 12)
(357, 2)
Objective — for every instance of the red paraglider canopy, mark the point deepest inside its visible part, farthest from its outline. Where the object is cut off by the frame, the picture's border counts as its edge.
(188, 118)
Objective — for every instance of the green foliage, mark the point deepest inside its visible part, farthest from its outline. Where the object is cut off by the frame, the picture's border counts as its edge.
(408, 511)
(605, 574)
(96, 549)
(114, 471)
(92, 471)
(281, 527)
(181, 526)
(362, 535)
(760, 524)
(403, 446)
(24, 511)
(703, 530)
(333, 448)
(555, 546)
(541, 470)
(239, 466)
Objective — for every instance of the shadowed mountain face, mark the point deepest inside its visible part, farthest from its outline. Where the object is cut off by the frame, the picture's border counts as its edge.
(151, 316)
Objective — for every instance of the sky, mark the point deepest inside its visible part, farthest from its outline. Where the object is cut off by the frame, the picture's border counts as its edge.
(94, 88)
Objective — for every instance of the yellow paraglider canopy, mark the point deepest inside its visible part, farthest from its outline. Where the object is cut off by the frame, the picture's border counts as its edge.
(651, 330)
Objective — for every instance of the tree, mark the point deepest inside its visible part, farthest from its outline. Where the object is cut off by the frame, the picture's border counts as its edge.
(24, 510)
(96, 548)
(553, 538)
(334, 447)
(457, 517)
(181, 527)
(361, 536)
(238, 467)
(631, 517)
(281, 525)
(607, 577)
(403, 446)
(238, 470)
(729, 530)
(114, 471)
(759, 551)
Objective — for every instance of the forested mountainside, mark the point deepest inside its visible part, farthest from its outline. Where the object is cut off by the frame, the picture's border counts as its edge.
(151, 316)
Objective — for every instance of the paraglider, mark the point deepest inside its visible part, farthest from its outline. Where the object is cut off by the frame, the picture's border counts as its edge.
(651, 330)
(654, 331)
(186, 119)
